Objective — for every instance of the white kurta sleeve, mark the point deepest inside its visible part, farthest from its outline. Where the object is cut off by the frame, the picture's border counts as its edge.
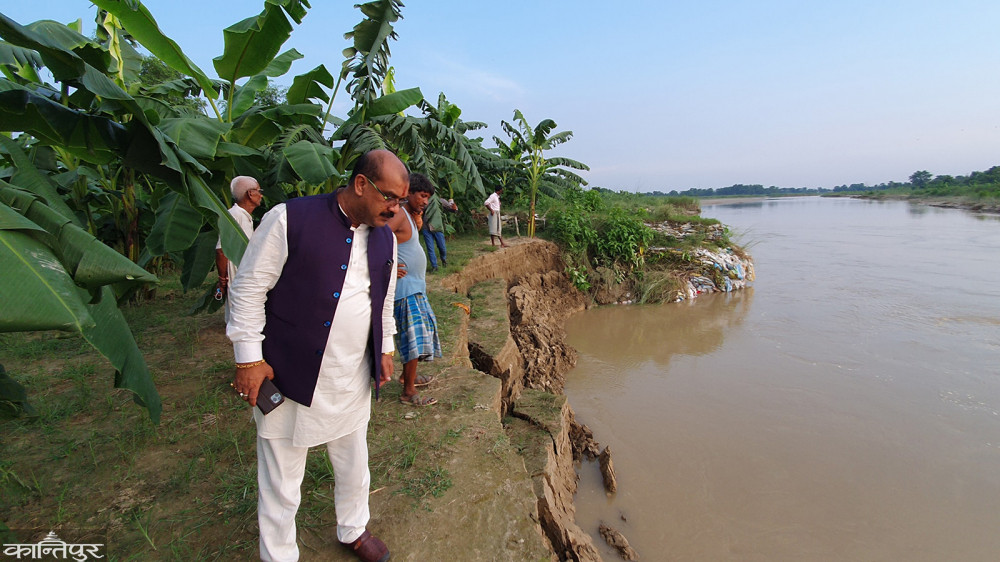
(388, 320)
(259, 271)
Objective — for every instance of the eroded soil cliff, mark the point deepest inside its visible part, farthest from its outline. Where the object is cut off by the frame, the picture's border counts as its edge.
(527, 352)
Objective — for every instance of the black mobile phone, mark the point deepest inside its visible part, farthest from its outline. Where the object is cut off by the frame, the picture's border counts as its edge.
(268, 397)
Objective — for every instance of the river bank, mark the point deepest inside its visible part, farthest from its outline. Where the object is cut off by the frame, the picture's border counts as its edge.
(964, 203)
(487, 473)
(527, 352)
(943, 202)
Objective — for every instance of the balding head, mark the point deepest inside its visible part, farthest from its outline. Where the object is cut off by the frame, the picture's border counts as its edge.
(374, 163)
(379, 180)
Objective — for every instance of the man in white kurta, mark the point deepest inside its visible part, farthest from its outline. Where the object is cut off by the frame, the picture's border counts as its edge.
(341, 404)
(246, 198)
(492, 204)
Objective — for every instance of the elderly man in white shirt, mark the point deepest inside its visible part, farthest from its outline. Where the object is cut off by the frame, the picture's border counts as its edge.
(246, 198)
(492, 203)
(312, 310)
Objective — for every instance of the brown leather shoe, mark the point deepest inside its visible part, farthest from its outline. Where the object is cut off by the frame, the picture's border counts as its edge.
(369, 548)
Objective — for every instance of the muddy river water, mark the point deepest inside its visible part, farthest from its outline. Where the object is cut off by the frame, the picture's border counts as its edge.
(846, 407)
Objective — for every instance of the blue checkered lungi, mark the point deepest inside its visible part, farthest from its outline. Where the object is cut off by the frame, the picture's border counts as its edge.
(416, 329)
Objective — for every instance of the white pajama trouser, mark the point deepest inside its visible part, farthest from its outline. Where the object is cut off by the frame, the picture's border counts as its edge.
(280, 468)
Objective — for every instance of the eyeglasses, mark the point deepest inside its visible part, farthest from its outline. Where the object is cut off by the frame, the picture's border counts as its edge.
(392, 201)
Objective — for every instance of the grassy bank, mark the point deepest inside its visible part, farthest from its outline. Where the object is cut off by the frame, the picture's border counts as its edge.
(90, 461)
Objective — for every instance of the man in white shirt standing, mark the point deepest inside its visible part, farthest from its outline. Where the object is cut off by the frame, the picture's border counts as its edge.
(492, 203)
(312, 311)
(246, 198)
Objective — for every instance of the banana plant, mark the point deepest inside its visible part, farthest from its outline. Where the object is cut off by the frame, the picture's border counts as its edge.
(367, 65)
(548, 174)
(54, 272)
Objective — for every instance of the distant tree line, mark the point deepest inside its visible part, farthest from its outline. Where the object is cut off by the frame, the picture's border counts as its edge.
(983, 183)
(736, 189)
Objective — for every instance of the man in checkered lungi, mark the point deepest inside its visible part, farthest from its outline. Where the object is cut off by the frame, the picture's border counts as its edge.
(416, 326)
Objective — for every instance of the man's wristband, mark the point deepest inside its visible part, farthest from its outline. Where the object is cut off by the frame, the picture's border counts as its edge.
(248, 365)
(389, 353)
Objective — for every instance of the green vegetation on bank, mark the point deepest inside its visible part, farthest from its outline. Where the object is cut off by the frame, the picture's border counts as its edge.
(977, 191)
(608, 241)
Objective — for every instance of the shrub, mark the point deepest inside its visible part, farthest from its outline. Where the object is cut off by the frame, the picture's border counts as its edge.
(572, 228)
(622, 239)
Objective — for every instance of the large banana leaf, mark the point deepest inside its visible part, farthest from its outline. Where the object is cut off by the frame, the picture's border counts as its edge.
(64, 65)
(199, 260)
(282, 63)
(177, 225)
(28, 177)
(150, 151)
(111, 336)
(91, 138)
(180, 86)
(19, 64)
(313, 162)
(140, 24)
(310, 86)
(569, 163)
(36, 291)
(385, 105)
(256, 128)
(70, 57)
(368, 58)
(69, 39)
(227, 149)
(198, 136)
(253, 43)
(243, 99)
(91, 263)
(39, 294)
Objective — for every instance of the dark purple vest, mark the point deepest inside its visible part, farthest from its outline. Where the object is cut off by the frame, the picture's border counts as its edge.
(300, 308)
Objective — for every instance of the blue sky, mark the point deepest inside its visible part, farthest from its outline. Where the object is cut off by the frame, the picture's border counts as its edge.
(672, 95)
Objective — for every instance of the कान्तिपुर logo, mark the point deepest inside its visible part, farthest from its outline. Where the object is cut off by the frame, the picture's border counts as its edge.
(52, 547)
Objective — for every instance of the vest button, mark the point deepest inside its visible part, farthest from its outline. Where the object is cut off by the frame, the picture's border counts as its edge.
(348, 240)
(319, 352)
(343, 266)
(336, 295)
(326, 324)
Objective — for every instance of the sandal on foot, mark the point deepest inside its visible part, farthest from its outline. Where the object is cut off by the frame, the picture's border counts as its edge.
(422, 380)
(418, 400)
(369, 548)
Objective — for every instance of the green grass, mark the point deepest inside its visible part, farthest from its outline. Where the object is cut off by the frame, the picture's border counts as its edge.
(431, 482)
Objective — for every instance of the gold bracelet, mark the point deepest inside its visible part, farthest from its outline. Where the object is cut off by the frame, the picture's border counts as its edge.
(248, 365)
(389, 353)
